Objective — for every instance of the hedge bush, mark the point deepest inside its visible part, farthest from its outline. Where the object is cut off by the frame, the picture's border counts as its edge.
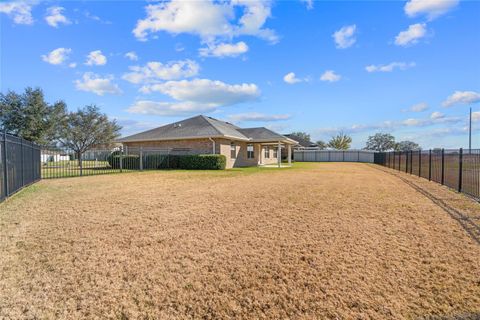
(202, 162)
(163, 161)
(129, 162)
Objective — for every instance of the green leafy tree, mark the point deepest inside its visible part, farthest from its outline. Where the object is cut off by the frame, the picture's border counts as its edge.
(407, 146)
(29, 116)
(86, 128)
(340, 142)
(322, 145)
(380, 142)
(302, 135)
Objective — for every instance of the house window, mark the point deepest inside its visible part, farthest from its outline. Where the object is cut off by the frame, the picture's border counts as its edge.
(250, 152)
(233, 150)
(267, 152)
(275, 152)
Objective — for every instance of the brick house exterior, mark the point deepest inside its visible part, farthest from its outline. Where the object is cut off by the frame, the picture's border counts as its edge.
(206, 135)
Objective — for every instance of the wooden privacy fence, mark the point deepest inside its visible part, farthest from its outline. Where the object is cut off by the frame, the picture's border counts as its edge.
(19, 164)
(334, 156)
(458, 169)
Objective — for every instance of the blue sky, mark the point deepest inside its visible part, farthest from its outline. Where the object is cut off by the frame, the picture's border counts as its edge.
(410, 68)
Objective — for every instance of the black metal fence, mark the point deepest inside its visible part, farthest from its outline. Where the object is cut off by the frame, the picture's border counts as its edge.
(458, 169)
(63, 163)
(19, 164)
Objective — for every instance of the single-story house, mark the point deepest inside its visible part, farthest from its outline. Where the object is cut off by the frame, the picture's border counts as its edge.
(205, 135)
(302, 144)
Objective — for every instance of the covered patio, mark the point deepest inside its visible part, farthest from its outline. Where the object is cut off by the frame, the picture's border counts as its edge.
(266, 160)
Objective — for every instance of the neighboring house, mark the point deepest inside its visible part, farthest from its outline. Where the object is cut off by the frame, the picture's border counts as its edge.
(53, 156)
(205, 135)
(302, 144)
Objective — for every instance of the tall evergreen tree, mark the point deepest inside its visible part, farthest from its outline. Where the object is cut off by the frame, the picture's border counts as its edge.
(30, 117)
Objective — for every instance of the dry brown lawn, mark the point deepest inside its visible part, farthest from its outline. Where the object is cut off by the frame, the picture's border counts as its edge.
(322, 241)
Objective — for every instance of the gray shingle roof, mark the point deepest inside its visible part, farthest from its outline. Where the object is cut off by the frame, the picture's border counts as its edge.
(196, 127)
(262, 134)
(302, 142)
(204, 127)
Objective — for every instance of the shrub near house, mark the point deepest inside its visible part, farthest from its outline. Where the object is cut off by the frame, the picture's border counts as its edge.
(160, 161)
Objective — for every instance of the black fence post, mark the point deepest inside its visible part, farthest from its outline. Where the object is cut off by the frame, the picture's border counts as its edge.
(420, 163)
(406, 161)
(411, 162)
(5, 163)
(430, 165)
(443, 166)
(460, 170)
(22, 164)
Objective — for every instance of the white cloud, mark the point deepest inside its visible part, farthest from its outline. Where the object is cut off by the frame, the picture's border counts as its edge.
(345, 37)
(131, 55)
(411, 35)
(161, 108)
(390, 67)
(431, 8)
(419, 107)
(57, 56)
(55, 17)
(290, 78)
(19, 11)
(218, 19)
(224, 50)
(193, 96)
(207, 91)
(330, 76)
(156, 71)
(412, 122)
(96, 58)
(437, 115)
(92, 82)
(308, 3)
(72, 65)
(476, 116)
(255, 116)
(462, 97)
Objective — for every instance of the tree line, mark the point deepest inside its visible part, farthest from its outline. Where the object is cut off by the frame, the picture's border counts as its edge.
(29, 116)
(378, 142)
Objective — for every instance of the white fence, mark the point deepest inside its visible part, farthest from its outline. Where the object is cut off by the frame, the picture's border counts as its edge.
(334, 156)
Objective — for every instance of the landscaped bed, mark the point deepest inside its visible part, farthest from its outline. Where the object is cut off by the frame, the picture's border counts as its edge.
(325, 240)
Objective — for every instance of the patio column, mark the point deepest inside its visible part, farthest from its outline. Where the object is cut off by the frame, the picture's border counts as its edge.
(279, 155)
(260, 155)
(289, 154)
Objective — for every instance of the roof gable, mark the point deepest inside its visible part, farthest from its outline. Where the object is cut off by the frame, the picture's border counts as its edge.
(191, 128)
(262, 134)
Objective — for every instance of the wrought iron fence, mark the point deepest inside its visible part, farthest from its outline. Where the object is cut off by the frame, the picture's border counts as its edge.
(458, 169)
(63, 163)
(19, 164)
